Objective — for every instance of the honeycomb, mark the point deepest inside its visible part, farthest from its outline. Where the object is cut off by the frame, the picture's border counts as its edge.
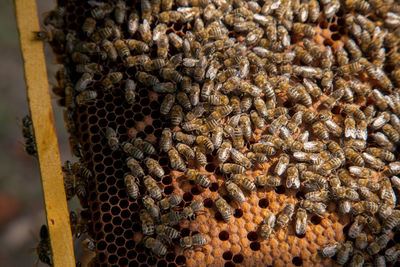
(114, 222)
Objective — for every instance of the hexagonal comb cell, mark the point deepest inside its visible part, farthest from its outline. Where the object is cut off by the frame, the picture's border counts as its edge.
(275, 125)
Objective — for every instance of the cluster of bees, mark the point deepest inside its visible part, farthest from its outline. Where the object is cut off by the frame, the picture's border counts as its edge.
(247, 84)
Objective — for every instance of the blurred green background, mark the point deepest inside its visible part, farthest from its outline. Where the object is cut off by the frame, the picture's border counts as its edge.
(21, 202)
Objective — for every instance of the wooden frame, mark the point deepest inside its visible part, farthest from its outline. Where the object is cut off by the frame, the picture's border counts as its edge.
(45, 134)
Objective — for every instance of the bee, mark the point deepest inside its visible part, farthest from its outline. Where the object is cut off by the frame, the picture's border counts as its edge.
(132, 150)
(185, 150)
(156, 246)
(267, 226)
(380, 121)
(330, 250)
(111, 79)
(205, 143)
(176, 161)
(244, 181)
(313, 207)
(292, 178)
(357, 226)
(374, 162)
(234, 191)
(196, 240)
(354, 157)
(379, 243)
(312, 88)
(154, 167)
(43, 249)
(133, 22)
(88, 27)
(373, 224)
(354, 111)
(176, 115)
(83, 82)
(360, 171)
(131, 184)
(189, 212)
(166, 140)
(144, 146)
(285, 215)
(184, 138)
(134, 166)
(361, 241)
(240, 159)
(112, 139)
(170, 202)
(319, 196)
(122, 49)
(147, 222)
(223, 151)
(301, 221)
(224, 208)
(231, 168)
(164, 231)
(198, 178)
(282, 164)
(130, 91)
(320, 130)
(303, 55)
(349, 69)
(391, 133)
(85, 97)
(344, 252)
(305, 29)
(152, 187)
(151, 207)
(365, 206)
(171, 218)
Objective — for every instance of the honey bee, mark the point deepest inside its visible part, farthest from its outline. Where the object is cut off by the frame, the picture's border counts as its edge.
(176, 115)
(112, 139)
(134, 166)
(189, 212)
(267, 226)
(88, 27)
(303, 55)
(131, 184)
(379, 243)
(391, 133)
(374, 162)
(184, 138)
(292, 179)
(132, 150)
(240, 159)
(282, 164)
(357, 226)
(268, 180)
(170, 202)
(354, 157)
(205, 143)
(156, 246)
(111, 79)
(43, 249)
(154, 167)
(166, 140)
(312, 88)
(152, 187)
(350, 69)
(301, 221)
(234, 191)
(319, 196)
(176, 162)
(122, 49)
(305, 29)
(365, 206)
(151, 207)
(164, 231)
(147, 222)
(133, 22)
(171, 218)
(320, 131)
(224, 208)
(361, 241)
(285, 215)
(196, 240)
(344, 253)
(198, 178)
(373, 224)
(330, 250)
(313, 207)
